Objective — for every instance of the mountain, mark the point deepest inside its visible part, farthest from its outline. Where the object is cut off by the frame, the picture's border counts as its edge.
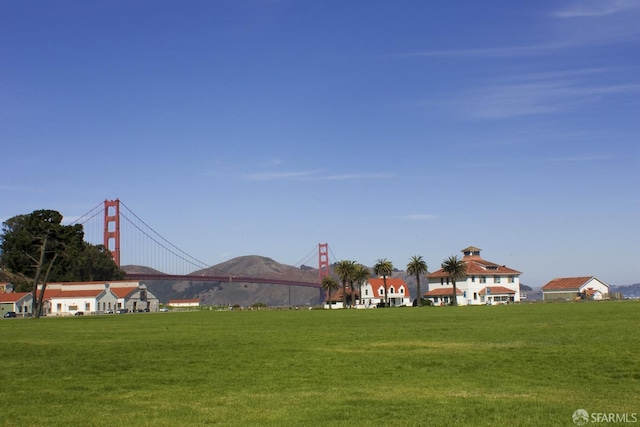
(630, 291)
(244, 294)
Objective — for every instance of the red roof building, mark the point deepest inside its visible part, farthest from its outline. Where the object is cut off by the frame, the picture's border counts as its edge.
(572, 288)
(485, 282)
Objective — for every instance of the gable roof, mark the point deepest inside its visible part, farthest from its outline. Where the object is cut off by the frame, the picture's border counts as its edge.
(392, 282)
(124, 292)
(12, 296)
(566, 283)
(396, 282)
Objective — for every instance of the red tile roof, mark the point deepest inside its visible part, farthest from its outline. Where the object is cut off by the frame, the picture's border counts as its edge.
(590, 292)
(568, 283)
(394, 282)
(75, 294)
(12, 296)
(477, 266)
(497, 290)
(123, 292)
(444, 292)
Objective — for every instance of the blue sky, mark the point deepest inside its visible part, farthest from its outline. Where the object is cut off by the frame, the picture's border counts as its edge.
(387, 129)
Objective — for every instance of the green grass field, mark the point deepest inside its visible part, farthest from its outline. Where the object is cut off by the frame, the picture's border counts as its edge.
(529, 364)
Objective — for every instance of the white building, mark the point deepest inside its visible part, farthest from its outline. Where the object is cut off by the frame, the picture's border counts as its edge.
(373, 292)
(67, 298)
(184, 303)
(573, 288)
(485, 283)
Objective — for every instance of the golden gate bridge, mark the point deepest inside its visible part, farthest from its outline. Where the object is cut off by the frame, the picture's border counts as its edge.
(121, 231)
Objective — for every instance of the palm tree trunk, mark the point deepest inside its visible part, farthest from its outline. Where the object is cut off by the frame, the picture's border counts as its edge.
(386, 291)
(418, 291)
(454, 301)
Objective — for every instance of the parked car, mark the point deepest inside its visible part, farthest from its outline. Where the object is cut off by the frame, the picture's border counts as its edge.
(79, 313)
(10, 314)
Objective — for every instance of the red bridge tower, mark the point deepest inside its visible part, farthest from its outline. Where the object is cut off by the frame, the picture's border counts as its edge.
(323, 261)
(112, 228)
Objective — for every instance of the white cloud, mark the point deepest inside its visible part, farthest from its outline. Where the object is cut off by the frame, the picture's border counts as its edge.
(595, 8)
(581, 158)
(312, 176)
(543, 96)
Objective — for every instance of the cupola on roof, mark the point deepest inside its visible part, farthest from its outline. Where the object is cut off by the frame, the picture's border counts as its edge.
(471, 251)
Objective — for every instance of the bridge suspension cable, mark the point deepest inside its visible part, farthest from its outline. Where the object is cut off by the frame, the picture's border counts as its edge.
(156, 238)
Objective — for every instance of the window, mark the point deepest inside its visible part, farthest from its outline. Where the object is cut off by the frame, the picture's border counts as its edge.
(511, 279)
(483, 279)
(402, 290)
(366, 292)
(473, 278)
(87, 306)
(58, 307)
(464, 294)
(481, 298)
(392, 290)
(496, 279)
(475, 296)
(381, 291)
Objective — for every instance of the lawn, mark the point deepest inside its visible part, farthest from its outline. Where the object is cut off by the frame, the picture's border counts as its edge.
(529, 364)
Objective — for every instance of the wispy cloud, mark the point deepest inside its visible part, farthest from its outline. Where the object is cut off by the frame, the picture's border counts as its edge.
(595, 8)
(312, 176)
(580, 158)
(504, 51)
(539, 97)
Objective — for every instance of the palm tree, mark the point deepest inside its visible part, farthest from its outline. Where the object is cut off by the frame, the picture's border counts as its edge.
(344, 270)
(384, 268)
(360, 275)
(329, 284)
(417, 267)
(455, 269)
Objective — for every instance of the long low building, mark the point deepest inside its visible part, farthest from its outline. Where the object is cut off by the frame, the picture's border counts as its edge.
(574, 288)
(67, 298)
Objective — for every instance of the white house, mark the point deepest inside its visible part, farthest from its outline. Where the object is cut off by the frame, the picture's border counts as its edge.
(373, 292)
(184, 303)
(572, 288)
(485, 283)
(97, 297)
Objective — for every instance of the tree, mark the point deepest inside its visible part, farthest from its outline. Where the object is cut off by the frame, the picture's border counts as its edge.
(39, 247)
(329, 284)
(384, 268)
(360, 275)
(417, 267)
(344, 270)
(455, 269)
